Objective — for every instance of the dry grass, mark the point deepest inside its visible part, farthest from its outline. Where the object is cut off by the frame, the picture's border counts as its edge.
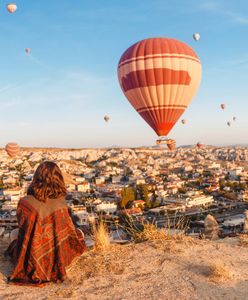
(101, 238)
(98, 263)
(219, 272)
(243, 240)
(150, 232)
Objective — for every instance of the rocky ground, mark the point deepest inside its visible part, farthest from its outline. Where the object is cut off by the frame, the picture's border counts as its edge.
(189, 269)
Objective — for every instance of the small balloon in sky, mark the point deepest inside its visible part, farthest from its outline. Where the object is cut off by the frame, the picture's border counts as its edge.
(106, 118)
(184, 121)
(171, 144)
(11, 7)
(234, 118)
(12, 149)
(199, 145)
(222, 106)
(196, 36)
(228, 123)
(27, 50)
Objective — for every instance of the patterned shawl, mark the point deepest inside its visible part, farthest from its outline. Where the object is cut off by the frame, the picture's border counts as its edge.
(47, 241)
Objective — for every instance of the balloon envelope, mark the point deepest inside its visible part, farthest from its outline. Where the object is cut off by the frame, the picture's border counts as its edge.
(106, 118)
(27, 50)
(228, 123)
(171, 144)
(222, 106)
(196, 36)
(199, 145)
(234, 118)
(184, 121)
(159, 77)
(12, 149)
(11, 7)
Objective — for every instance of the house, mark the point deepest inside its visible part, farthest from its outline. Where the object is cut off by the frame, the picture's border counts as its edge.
(83, 187)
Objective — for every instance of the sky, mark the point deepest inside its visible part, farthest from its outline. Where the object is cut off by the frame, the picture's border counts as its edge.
(58, 95)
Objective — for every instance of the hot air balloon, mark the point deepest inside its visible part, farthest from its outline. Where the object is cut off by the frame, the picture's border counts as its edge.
(12, 149)
(199, 145)
(106, 118)
(27, 50)
(184, 121)
(234, 118)
(171, 144)
(159, 77)
(196, 36)
(11, 7)
(222, 106)
(228, 123)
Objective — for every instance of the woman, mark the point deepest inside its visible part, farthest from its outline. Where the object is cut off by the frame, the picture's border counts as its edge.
(47, 240)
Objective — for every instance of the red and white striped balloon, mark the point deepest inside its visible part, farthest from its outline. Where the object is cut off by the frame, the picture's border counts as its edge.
(12, 149)
(159, 77)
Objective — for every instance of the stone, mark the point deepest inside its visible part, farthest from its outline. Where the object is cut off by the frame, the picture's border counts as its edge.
(245, 229)
(211, 228)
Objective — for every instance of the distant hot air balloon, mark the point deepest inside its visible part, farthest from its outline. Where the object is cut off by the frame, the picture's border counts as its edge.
(159, 77)
(184, 121)
(196, 36)
(106, 118)
(27, 50)
(222, 106)
(12, 149)
(171, 144)
(199, 145)
(11, 7)
(234, 118)
(228, 123)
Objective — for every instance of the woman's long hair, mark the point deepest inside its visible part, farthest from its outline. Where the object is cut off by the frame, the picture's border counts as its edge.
(48, 182)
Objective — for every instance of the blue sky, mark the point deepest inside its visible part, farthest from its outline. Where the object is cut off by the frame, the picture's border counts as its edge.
(58, 95)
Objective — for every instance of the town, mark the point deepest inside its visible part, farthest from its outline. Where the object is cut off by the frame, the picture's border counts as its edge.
(139, 184)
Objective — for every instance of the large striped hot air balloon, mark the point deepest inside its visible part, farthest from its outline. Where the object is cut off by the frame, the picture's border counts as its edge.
(12, 149)
(159, 77)
(11, 7)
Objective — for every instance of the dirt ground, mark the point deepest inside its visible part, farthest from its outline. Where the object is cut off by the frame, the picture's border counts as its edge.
(149, 270)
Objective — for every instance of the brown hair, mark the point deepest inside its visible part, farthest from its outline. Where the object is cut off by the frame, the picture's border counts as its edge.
(48, 182)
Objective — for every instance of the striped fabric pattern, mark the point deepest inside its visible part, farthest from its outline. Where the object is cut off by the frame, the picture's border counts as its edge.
(12, 149)
(159, 77)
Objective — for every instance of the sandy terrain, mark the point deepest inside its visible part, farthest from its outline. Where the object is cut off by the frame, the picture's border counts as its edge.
(149, 270)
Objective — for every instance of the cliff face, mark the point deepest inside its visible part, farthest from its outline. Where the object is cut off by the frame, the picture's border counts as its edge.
(190, 269)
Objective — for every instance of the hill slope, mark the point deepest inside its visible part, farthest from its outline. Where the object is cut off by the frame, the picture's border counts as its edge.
(147, 271)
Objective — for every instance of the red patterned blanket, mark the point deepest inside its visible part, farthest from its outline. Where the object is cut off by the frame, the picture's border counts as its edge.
(47, 242)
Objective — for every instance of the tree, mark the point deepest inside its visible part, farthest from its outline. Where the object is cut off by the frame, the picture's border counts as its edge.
(127, 195)
(142, 194)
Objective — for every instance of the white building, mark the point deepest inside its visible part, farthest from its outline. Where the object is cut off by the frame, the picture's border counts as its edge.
(107, 207)
(83, 187)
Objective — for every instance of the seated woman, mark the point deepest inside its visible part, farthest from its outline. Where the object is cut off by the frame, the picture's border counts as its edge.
(47, 240)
